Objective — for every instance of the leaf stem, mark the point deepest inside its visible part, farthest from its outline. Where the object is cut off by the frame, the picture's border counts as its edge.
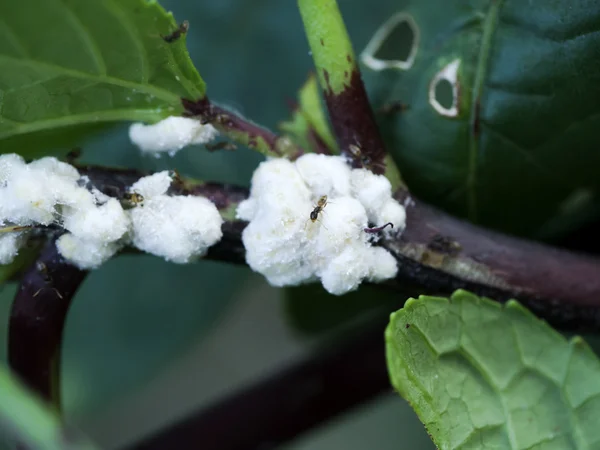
(349, 109)
(241, 130)
(329, 42)
(37, 320)
(15, 228)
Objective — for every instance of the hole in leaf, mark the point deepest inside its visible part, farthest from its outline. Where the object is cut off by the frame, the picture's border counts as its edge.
(394, 44)
(444, 90)
(398, 44)
(443, 94)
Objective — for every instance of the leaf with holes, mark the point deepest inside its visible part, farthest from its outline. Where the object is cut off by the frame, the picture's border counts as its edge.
(483, 375)
(503, 108)
(67, 67)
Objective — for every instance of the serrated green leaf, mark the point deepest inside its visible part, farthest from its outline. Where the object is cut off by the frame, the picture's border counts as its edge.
(523, 139)
(483, 375)
(68, 65)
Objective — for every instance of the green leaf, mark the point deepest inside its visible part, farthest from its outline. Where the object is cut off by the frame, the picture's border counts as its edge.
(522, 141)
(483, 375)
(308, 120)
(25, 418)
(70, 66)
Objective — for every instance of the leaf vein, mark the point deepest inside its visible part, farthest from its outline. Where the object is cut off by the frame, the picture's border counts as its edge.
(86, 37)
(146, 88)
(527, 155)
(112, 115)
(14, 39)
(489, 27)
(131, 29)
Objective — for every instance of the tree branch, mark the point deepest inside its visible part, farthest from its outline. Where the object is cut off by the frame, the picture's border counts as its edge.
(438, 254)
(240, 129)
(277, 409)
(48, 286)
(441, 253)
(37, 320)
(349, 109)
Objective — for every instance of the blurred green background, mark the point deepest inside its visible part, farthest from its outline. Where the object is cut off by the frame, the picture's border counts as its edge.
(147, 341)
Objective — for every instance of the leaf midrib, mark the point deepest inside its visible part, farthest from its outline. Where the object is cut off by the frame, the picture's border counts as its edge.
(145, 88)
(489, 27)
(113, 115)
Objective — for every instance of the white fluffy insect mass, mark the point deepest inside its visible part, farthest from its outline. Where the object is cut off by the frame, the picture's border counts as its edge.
(171, 135)
(288, 248)
(50, 192)
(178, 228)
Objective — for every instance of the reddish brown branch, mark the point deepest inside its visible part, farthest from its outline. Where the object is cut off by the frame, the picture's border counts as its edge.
(436, 253)
(37, 320)
(559, 285)
(239, 129)
(47, 288)
(280, 407)
(353, 123)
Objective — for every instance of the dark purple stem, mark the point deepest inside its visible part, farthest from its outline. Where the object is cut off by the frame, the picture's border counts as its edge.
(277, 409)
(353, 123)
(37, 320)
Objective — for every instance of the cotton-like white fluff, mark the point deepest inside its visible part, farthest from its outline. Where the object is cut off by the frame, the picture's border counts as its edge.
(10, 243)
(275, 239)
(284, 245)
(34, 193)
(86, 253)
(105, 223)
(324, 174)
(177, 228)
(47, 191)
(171, 135)
(153, 185)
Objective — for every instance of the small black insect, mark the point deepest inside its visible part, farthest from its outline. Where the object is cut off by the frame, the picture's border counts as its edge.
(182, 29)
(361, 159)
(321, 204)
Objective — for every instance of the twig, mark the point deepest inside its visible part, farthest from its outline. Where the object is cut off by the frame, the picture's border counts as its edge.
(47, 288)
(37, 320)
(349, 109)
(436, 254)
(277, 409)
(441, 253)
(240, 130)
(15, 228)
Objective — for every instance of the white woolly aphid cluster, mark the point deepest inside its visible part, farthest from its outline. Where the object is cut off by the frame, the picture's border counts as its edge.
(49, 192)
(284, 245)
(171, 135)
